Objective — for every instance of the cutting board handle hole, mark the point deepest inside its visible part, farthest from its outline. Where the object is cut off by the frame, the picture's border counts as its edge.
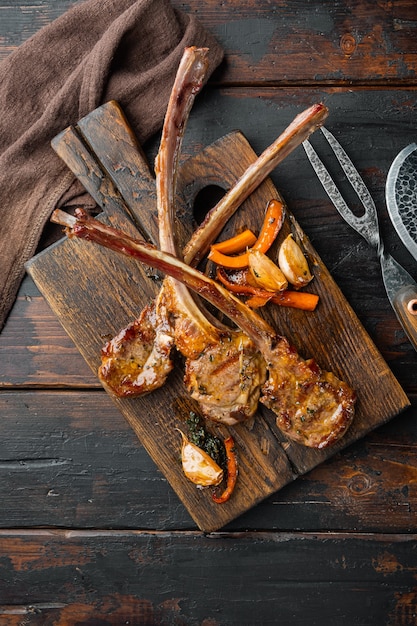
(205, 200)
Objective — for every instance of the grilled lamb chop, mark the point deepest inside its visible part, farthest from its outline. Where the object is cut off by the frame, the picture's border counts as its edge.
(312, 406)
(138, 359)
(223, 369)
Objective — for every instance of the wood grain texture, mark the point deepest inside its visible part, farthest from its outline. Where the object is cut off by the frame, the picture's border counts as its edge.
(36, 351)
(74, 462)
(281, 43)
(70, 273)
(154, 578)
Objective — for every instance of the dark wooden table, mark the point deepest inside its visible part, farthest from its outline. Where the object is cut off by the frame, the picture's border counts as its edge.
(90, 531)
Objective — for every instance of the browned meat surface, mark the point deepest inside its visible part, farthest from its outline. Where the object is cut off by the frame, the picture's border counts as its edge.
(138, 359)
(226, 378)
(313, 407)
(224, 371)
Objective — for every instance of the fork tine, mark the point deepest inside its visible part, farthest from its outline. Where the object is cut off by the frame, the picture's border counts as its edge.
(328, 183)
(366, 224)
(351, 172)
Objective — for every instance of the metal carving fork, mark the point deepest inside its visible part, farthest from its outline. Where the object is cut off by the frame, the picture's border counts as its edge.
(400, 286)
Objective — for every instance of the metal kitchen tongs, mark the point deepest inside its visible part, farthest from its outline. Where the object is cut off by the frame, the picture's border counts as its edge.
(400, 286)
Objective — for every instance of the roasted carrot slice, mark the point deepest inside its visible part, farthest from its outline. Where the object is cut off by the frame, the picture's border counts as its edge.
(274, 218)
(256, 302)
(232, 472)
(239, 242)
(240, 286)
(296, 299)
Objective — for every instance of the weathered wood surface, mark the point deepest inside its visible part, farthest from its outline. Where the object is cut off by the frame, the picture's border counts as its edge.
(141, 578)
(74, 462)
(60, 434)
(280, 43)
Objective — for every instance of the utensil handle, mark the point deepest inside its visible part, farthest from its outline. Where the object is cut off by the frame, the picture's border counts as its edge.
(405, 306)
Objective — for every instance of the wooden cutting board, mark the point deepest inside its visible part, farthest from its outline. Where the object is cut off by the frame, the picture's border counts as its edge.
(96, 292)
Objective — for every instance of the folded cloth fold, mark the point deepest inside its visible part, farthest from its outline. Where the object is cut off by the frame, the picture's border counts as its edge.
(99, 50)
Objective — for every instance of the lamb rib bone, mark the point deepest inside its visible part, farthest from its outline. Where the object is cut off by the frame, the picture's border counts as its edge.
(139, 343)
(312, 406)
(138, 359)
(303, 125)
(224, 372)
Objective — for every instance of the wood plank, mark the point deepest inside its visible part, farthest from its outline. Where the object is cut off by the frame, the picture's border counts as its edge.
(36, 351)
(155, 578)
(71, 460)
(280, 44)
(91, 297)
(20, 20)
(318, 42)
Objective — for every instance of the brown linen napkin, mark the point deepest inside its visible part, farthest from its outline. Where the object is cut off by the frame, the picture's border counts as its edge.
(99, 50)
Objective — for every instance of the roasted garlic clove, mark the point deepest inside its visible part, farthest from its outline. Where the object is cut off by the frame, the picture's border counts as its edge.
(198, 466)
(265, 272)
(293, 263)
